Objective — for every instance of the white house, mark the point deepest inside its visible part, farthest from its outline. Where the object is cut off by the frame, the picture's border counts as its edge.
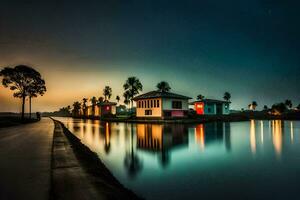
(161, 105)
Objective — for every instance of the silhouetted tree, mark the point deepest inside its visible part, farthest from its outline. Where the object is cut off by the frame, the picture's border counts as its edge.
(118, 98)
(93, 101)
(163, 86)
(84, 106)
(200, 97)
(76, 108)
(227, 96)
(288, 103)
(21, 79)
(132, 87)
(298, 107)
(38, 88)
(100, 100)
(266, 107)
(279, 108)
(126, 98)
(107, 92)
(254, 105)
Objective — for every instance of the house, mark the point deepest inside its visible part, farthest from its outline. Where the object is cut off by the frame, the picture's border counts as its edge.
(157, 104)
(211, 107)
(101, 109)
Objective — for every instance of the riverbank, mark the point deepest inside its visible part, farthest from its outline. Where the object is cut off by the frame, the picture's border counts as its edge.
(8, 121)
(235, 117)
(91, 178)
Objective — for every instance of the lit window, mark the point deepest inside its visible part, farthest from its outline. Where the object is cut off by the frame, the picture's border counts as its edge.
(148, 112)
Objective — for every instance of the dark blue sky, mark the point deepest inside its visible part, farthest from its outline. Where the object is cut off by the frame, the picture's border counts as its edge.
(249, 48)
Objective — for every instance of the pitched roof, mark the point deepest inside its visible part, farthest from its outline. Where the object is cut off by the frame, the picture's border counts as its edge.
(211, 101)
(159, 94)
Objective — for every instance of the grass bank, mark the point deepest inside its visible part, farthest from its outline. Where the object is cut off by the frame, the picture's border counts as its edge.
(7, 121)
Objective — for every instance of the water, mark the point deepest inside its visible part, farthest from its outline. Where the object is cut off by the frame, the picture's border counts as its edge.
(240, 160)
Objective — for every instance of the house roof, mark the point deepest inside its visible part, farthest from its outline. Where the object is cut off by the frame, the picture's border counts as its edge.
(159, 94)
(211, 101)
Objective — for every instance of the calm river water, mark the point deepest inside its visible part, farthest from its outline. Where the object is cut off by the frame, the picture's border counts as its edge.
(239, 160)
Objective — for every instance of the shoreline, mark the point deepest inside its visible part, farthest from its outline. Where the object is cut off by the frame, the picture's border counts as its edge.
(103, 180)
(201, 119)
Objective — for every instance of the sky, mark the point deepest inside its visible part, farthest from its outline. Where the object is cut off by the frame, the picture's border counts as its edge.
(249, 48)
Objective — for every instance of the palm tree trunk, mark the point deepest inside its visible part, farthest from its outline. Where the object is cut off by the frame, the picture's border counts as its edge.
(29, 107)
(23, 107)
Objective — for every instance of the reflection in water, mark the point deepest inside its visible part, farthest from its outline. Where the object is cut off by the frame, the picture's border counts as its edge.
(213, 132)
(199, 135)
(158, 158)
(161, 138)
(277, 136)
(276, 132)
(107, 137)
(252, 137)
(132, 162)
(292, 133)
(262, 131)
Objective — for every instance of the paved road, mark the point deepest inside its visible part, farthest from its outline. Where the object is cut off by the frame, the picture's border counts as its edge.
(25, 160)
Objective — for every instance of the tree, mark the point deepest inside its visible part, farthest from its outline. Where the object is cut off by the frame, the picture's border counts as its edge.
(266, 107)
(38, 88)
(279, 108)
(93, 101)
(76, 108)
(200, 97)
(288, 103)
(254, 105)
(100, 100)
(163, 86)
(118, 98)
(132, 86)
(298, 107)
(227, 96)
(126, 98)
(84, 106)
(20, 79)
(107, 92)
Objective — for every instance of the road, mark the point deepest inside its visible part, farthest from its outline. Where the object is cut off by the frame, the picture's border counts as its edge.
(25, 160)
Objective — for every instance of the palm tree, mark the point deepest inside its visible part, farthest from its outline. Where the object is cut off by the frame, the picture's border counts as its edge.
(93, 101)
(126, 98)
(288, 103)
(76, 108)
(118, 98)
(107, 92)
(254, 105)
(266, 107)
(163, 86)
(132, 86)
(200, 97)
(84, 106)
(20, 79)
(227, 96)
